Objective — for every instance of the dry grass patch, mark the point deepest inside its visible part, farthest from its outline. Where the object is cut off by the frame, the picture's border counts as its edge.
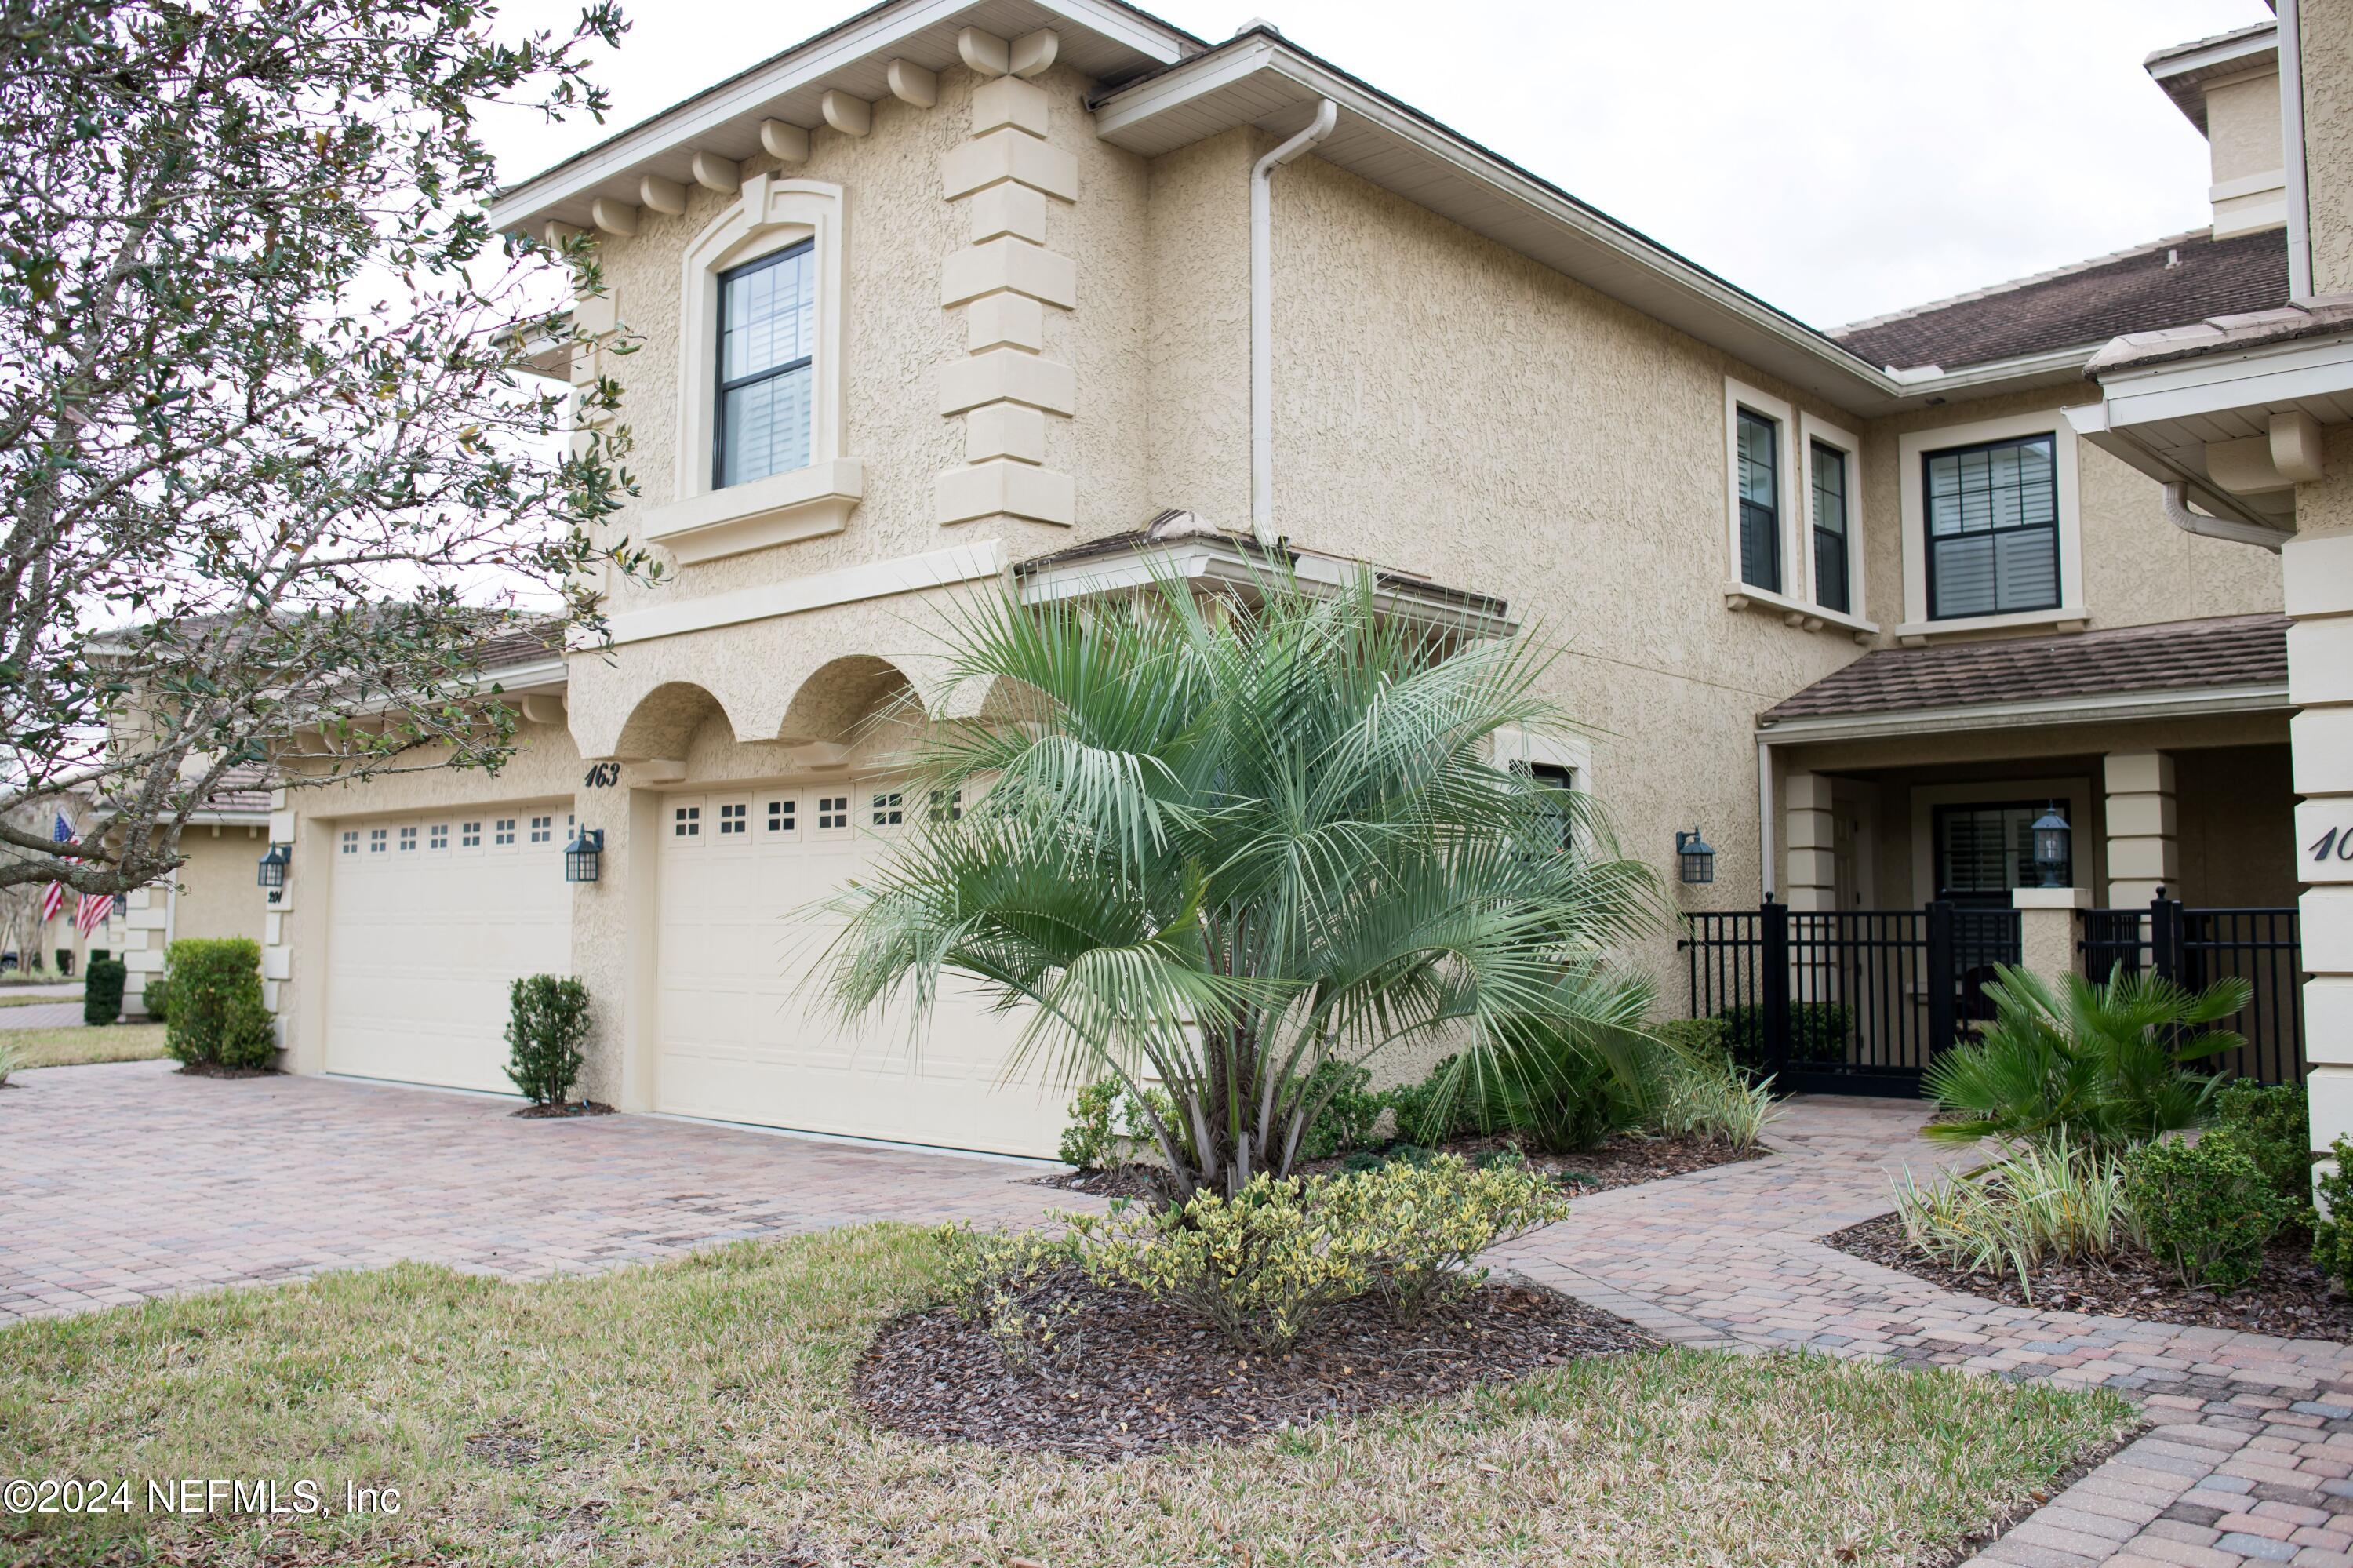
(75, 1047)
(697, 1412)
(35, 1000)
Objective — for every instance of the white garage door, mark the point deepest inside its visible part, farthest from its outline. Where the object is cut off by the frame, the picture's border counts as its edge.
(743, 1038)
(432, 918)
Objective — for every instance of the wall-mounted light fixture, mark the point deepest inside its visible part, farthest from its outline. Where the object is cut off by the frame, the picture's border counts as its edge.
(1694, 858)
(271, 872)
(2051, 832)
(580, 855)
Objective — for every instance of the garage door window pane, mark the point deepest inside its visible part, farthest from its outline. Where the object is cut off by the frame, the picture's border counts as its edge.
(407, 839)
(832, 811)
(377, 840)
(504, 833)
(350, 840)
(686, 822)
(780, 816)
(543, 830)
(732, 818)
(470, 836)
(887, 811)
(439, 836)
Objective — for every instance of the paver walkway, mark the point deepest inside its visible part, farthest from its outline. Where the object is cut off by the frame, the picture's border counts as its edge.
(2251, 1442)
(124, 1182)
(41, 1015)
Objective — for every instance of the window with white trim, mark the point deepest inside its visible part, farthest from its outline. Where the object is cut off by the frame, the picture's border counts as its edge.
(542, 828)
(469, 835)
(1831, 475)
(888, 811)
(407, 839)
(768, 335)
(686, 822)
(503, 832)
(350, 840)
(439, 836)
(1992, 518)
(377, 840)
(832, 811)
(782, 813)
(1758, 478)
(733, 818)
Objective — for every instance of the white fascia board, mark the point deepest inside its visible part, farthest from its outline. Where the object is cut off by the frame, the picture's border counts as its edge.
(2220, 381)
(2244, 52)
(1874, 390)
(539, 675)
(681, 125)
(2117, 708)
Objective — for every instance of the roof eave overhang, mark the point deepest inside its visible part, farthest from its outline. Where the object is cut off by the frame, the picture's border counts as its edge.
(1259, 79)
(2117, 707)
(2183, 72)
(1113, 40)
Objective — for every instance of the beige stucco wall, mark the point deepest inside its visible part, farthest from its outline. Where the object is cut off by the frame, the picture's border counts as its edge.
(218, 895)
(1197, 333)
(2242, 125)
(2327, 74)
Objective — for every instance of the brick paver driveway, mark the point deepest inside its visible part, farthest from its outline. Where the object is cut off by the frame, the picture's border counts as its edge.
(129, 1180)
(126, 1181)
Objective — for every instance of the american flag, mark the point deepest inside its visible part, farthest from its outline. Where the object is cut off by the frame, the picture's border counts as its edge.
(53, 897)
(92, 911)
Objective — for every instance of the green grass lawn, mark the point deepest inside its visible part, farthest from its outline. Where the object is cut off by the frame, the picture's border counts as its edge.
(71, 1047)
(695, 1413)
(35, 1001)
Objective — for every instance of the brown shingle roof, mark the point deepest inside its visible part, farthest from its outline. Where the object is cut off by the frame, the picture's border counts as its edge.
(2174, 655)
(2083, 306)
(241, 789)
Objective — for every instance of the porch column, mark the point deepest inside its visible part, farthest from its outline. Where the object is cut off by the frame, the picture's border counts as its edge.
(2318, 570)
(1811, 882)
(2046, 929)
(2144, 851)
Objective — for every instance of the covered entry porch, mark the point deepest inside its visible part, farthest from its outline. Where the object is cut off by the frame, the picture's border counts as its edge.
(1905, 791)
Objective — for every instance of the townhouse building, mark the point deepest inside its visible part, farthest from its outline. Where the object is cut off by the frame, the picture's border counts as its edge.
(1042, 296)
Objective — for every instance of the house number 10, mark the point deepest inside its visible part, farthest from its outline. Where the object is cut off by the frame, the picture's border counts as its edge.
(2335, 840)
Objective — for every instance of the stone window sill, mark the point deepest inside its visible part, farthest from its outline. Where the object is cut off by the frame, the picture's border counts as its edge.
(802, 504)
(1808, 617)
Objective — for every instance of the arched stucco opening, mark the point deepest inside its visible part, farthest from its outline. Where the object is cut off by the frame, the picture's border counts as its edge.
(665, 719)
(846, 699)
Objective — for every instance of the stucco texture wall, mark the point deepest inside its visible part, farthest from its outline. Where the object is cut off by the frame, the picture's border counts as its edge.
(2242, 126)
(1449, 407)
(2328, 72)
(217, 894)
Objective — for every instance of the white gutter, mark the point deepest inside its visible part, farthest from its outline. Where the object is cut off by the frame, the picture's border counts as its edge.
(2044, 713)
(2177, 512)
(1261, 305)
(2299, 209)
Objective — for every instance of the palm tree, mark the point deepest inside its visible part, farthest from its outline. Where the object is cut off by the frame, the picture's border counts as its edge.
(2101, 1065)
(1217, 841)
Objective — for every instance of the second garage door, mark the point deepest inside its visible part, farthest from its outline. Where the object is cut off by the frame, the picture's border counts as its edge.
(431, 920)
(743, 1038)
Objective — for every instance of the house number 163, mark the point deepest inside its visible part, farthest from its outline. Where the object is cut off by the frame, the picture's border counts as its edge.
(2337, 842)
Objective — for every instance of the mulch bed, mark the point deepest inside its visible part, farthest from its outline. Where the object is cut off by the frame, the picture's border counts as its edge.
(1147, 1377)
(2289, 1298)
(568, 1108)
(215, 1070)
(1625, 1161)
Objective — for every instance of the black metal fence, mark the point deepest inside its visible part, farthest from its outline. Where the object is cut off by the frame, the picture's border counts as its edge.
(2197, 947)
(1848, 1001)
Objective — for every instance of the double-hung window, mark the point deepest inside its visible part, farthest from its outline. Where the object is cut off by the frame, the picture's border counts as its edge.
(1831, 569)
(1993, 527)
(1985, 852)
(1759, 480)
(767, 329)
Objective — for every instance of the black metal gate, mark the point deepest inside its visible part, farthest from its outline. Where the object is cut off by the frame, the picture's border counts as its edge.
(1848, 1001)
(2196, 948)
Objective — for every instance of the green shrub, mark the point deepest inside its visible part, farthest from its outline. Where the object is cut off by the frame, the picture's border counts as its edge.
(1428, 1224)
(1266, 1266)
(1350, 1109)
(1695, 1037)
(2204, 1209)
(157, 996)
(101, 991)
(2273, 1123)
(1561, 1092)
(1107, 1126)
(1702, 1094)
(2332, 1226)
(1818, 1031)
(2088, 1063)
(2048, 1202)
(1012, 1285)
(65, 961)
(547, 1023)
(1437, 1110)
(214, 993)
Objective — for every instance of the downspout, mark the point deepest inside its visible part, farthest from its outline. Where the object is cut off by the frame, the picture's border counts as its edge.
(1765, 808)
(1261, 308)
(2177, 512)
(2299, 211)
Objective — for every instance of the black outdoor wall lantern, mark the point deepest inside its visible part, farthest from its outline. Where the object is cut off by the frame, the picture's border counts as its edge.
(2051, 847)
(580, 855)
(1694, 856)
(270, 872)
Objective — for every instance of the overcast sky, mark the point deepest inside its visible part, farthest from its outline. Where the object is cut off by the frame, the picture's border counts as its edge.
(1838, 157)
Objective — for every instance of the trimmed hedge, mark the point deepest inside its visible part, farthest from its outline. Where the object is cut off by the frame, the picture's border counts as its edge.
(101, 991)
(547, 1025)
(1817, 1032)
(217, 1018)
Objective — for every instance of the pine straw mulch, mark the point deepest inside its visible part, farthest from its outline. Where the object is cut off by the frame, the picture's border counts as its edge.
(563, 1109)
(2289, 1297)
(1626, 1160)
(1139, 1376)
